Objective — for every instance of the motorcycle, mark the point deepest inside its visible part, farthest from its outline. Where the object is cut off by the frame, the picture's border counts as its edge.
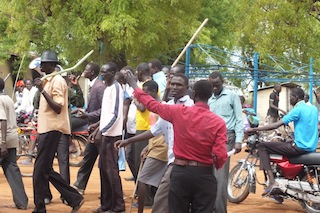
(298, 177)
(27, 132)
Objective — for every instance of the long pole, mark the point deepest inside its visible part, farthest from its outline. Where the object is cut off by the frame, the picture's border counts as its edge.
(15, 83)
(189, 43)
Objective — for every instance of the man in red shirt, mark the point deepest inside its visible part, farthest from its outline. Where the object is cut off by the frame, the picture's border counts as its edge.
(199, 143)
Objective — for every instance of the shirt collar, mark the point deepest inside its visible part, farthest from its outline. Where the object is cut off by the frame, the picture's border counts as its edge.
(183, 98)
(299, 102)
(51, 77)
(201, 104)
(223, 92)
(91, 83)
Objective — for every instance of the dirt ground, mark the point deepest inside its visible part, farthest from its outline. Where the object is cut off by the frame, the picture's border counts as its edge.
(254, 203)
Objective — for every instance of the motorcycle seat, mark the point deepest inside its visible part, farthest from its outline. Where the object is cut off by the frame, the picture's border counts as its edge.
(312, 158)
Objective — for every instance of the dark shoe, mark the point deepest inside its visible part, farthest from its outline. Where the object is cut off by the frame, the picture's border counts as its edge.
(80, 191)
(129, 179)
(76, 208)
(47, 201)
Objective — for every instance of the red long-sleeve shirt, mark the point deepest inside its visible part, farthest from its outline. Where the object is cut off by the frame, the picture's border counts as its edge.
(199, 134)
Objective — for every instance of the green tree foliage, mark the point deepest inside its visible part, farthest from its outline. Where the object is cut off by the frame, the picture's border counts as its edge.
(125, 31)
(283, 28)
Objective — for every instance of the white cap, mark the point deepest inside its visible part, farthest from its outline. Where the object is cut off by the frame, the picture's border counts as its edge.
(35, 63)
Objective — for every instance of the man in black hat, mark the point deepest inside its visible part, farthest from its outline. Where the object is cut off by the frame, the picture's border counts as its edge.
(53, 121)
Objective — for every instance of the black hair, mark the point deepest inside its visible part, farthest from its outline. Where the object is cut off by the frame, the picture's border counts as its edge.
(156, 63)
(112, 67)
(179, 68)
(181, 75)
(298, 92)
(216, 74)
(203, 89)
(151, 85)
(1, 84)
(143, 68)
(127, 68)
(94, 67)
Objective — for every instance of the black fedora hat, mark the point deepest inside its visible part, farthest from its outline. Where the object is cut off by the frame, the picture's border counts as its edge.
(49, 57)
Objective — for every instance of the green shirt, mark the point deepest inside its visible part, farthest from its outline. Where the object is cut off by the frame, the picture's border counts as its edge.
(227, 105)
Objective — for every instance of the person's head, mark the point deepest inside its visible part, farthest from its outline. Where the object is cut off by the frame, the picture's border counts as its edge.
(151, 88)
(143, 71)
(20, 86)
(179, 85)
(296, 95)
(1, 84)
(166, 70)
(91, 71)
(108, 71)
(177, 69)
(119, 76)
(306, 98)
(217, 82)
(124, 70)
(155, 66)
(49, 61)
(277, 88)
(202, 91)
(29, 84)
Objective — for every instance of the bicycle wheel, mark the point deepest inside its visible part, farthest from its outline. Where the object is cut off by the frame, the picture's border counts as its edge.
(76, 158)
(238, 189)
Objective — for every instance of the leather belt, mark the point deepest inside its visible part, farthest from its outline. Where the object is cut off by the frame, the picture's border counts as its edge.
(183, 162)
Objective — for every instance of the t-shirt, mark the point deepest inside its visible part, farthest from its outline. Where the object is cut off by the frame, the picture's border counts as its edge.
(157, 146)
(305, 119)
(7, 113)
(275, 98)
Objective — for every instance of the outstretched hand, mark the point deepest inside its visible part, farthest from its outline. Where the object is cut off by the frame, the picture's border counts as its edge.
(73, 79)
(130, 78)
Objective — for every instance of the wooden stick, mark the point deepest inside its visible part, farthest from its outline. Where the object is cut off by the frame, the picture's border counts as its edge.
(135, 188)
(189, 43)
(69, 69)
(6, 78)
(15, 83)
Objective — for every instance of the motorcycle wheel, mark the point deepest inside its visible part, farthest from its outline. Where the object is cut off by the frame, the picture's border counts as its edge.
(76, 158)
(310, 207)
(238, 190)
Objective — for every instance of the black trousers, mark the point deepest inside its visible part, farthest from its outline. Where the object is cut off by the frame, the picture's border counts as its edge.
(63, 161)
(111, 188)
(192, 187)
(43, 172)
(282, 148)
(91, 153)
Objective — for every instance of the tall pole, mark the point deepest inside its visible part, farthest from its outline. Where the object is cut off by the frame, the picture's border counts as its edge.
(310, 80)
(255, 78)
(189, 43)
(188, 62)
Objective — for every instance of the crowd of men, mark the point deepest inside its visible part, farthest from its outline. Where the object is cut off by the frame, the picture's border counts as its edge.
(175, 136)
